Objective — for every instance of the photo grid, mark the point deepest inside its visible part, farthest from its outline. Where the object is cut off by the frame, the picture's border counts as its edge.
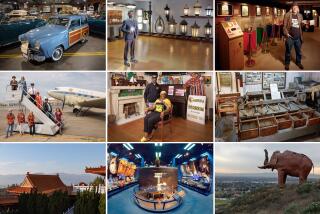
(159, 106)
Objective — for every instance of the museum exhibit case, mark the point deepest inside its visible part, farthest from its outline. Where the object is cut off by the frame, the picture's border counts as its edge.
(253, 35)
(267, 106)
(167, 177)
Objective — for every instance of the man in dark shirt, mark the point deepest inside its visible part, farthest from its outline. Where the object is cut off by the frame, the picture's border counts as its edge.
(293, 32)
(152, 92)
(47, 108)
(130, 30)
(14, 83)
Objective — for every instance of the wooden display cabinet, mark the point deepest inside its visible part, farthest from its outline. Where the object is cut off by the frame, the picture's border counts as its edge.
(284, 121)
(267, 126)
(249, 129)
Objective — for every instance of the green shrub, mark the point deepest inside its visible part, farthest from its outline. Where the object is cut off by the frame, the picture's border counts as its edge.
(304, 188)
(292, 209)
(313, 208)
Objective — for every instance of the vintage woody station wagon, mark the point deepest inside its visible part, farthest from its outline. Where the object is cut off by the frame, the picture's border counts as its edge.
(51, 40)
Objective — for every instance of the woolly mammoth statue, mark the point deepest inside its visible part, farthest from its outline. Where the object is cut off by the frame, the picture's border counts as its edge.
(288, 163)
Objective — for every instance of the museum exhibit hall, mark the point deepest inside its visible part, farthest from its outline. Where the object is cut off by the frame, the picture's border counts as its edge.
(267, 106)
(161, 35)
(160, 177)
(53, 35)
(160, 106)
(267, 35)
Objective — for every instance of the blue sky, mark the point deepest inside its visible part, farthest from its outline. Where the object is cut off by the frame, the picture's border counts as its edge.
(50, 158)
(45, 81)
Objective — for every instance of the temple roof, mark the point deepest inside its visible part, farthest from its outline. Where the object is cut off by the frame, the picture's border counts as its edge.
(45, 184)
(96, 170)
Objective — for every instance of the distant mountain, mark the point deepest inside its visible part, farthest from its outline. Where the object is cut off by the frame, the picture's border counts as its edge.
(67, 179)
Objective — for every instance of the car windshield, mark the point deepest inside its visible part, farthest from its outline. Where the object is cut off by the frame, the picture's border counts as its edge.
(59, 21)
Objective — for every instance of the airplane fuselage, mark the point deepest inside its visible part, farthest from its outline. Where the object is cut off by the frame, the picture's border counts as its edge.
(74, 96)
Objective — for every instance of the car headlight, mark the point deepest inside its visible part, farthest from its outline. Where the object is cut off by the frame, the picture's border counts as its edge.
(37, 45)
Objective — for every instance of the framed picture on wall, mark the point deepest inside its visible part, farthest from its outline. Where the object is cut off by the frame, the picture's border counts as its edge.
(258, 11)
(244, 10)
(207, 80)
(253, 78)
(267, 11)
(273, 77)
(224, 9)
(275, 12)
(279, 12)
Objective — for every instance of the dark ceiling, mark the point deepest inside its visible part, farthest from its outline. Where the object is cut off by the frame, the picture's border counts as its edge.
(168, 152)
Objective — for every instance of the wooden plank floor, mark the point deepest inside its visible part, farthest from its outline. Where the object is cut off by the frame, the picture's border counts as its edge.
(163, 54)
(182, 131)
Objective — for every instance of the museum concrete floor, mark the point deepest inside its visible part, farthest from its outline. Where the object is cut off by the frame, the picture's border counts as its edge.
(182, 131)
(155, 53)
(90, 55)
(193, 203)
(275, 59)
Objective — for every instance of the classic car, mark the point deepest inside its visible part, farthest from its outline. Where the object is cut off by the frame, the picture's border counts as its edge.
(51, 40)
(98, 25)
(11, 28)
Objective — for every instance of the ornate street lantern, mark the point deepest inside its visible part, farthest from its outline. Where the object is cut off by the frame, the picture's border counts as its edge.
(195, 30)
(197, 8)
(183, 27)
(208, 30)
(186, 10)
(209, 11)
(159, 25)
(172, 26)
(167, 12)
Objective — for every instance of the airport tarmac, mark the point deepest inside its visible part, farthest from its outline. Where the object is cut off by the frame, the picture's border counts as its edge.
(89, 127)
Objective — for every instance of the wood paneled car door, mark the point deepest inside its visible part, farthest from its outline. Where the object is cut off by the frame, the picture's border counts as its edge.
(74, 32)
(79, 30)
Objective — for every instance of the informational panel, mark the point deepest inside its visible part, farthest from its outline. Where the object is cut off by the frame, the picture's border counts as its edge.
(196, 109)
(278, 78)
(253, 78)
(232, 29)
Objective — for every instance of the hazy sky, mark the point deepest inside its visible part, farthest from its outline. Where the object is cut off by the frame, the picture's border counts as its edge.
(244, 157)
(45, 81)
(50, 158)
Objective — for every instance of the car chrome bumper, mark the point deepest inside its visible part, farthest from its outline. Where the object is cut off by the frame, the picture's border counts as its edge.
(32, 54)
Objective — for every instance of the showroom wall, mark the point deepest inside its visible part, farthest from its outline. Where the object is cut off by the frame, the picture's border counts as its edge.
(258, 87)
(176, 10)
(253, 20)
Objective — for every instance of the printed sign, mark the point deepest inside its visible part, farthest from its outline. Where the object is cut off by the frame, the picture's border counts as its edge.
(196, 109)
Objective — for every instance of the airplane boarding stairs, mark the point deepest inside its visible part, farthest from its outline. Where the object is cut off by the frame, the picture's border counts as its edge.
(44, 125)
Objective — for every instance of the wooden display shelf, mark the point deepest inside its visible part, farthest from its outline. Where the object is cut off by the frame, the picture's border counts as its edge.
(287, 134)
(177, 36)
(249, 129)
(284, 121)
(313, 117)
(267, 126)
(197, 17)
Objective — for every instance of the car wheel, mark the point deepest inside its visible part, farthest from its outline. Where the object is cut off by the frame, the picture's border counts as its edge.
(57, 53)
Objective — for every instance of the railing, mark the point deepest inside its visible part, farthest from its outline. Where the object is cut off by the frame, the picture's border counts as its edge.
(21, 92)
(99, 189)
(177, 198)
(69, 211)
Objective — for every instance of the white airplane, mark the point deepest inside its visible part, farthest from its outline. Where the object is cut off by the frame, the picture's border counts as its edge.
(79, 98)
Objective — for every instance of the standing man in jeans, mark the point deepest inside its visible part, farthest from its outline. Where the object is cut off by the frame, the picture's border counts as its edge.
(292, 29)
(130, 30)
(10, 120)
